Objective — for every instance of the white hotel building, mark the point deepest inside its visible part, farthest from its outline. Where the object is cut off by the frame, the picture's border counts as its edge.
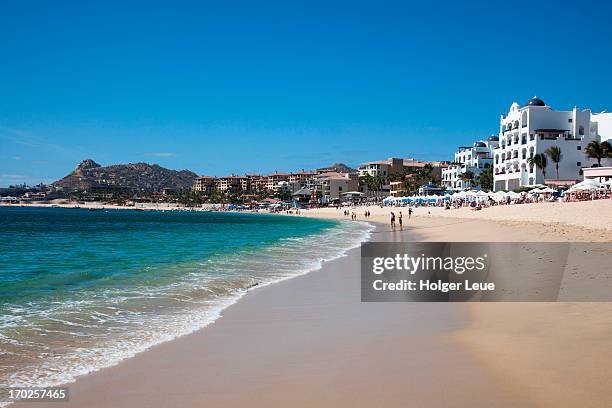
(531, 129)
(476, 159)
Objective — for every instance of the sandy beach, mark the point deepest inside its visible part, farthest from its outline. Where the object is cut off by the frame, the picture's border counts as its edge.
(309, 341)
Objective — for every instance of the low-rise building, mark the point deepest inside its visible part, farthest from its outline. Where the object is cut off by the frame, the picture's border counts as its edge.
(330, 186)
(232, 184)
(601, 174)
(394, 166)
(475, 159)
(273, 179)
(204, 184)
(382, 167)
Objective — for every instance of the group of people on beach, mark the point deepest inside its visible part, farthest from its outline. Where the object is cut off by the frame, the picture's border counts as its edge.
(399, 219)
(353, 214)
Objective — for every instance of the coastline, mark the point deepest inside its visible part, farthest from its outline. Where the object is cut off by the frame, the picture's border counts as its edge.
(334, 242)
(284, 344)
(304, 341)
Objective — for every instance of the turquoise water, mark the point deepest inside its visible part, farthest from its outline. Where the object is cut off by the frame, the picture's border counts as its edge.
(81, 289)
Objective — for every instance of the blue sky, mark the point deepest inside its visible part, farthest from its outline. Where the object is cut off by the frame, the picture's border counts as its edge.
(232, 87)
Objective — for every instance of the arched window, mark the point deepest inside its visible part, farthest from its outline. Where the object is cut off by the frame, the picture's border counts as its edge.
(581, 130)
(524, 119)
(515, 125)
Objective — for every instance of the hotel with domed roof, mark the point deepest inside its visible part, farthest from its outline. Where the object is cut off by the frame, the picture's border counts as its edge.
(534, 127)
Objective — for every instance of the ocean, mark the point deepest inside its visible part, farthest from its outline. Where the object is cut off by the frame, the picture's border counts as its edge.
(81, 290)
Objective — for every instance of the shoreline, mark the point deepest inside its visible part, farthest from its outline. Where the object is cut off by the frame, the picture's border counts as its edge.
(253, 343)
(305, 332)
(217, 312)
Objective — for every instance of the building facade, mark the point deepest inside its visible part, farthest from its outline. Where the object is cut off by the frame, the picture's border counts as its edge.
(476, 159)
(533, 128)
(204, 184)
(329, 187)
(395, 166)
(381, 167)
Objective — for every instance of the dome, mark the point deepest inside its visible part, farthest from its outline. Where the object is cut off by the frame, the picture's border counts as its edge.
(535, 101)
(480, 144)
(493, 138)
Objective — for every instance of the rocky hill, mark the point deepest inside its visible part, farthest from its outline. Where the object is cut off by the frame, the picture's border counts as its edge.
(133, 176)
(340, 168)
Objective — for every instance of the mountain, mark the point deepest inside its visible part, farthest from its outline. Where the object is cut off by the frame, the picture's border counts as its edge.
(340, 168)
(133, 176)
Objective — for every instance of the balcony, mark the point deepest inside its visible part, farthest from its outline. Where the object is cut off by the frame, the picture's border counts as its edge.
(552, 134)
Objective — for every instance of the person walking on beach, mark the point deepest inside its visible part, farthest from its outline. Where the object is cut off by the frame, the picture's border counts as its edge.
(409, 212)
(392, 217)
(400, 221)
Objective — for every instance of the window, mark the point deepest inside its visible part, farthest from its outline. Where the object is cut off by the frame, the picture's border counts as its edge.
(581, 130)
(578, 147)
(579, 164)
(570, 120)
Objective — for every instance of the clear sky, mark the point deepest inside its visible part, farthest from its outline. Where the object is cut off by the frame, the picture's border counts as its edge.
(231, 87)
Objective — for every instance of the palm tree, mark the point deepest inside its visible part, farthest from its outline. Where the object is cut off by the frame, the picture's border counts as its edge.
(554, 152)
(379, 182)
(468, 178)
(539, 160)
(486, 179)
(597, 150)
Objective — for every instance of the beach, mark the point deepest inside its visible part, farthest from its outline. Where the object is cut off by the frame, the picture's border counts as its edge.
(310, 341)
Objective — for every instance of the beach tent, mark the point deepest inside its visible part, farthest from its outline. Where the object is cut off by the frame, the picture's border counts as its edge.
(548, 190)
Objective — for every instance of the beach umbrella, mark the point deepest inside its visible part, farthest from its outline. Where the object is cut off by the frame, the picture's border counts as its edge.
(588, 184)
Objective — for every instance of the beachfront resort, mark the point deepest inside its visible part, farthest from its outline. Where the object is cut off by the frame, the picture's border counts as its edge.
(538, 149)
